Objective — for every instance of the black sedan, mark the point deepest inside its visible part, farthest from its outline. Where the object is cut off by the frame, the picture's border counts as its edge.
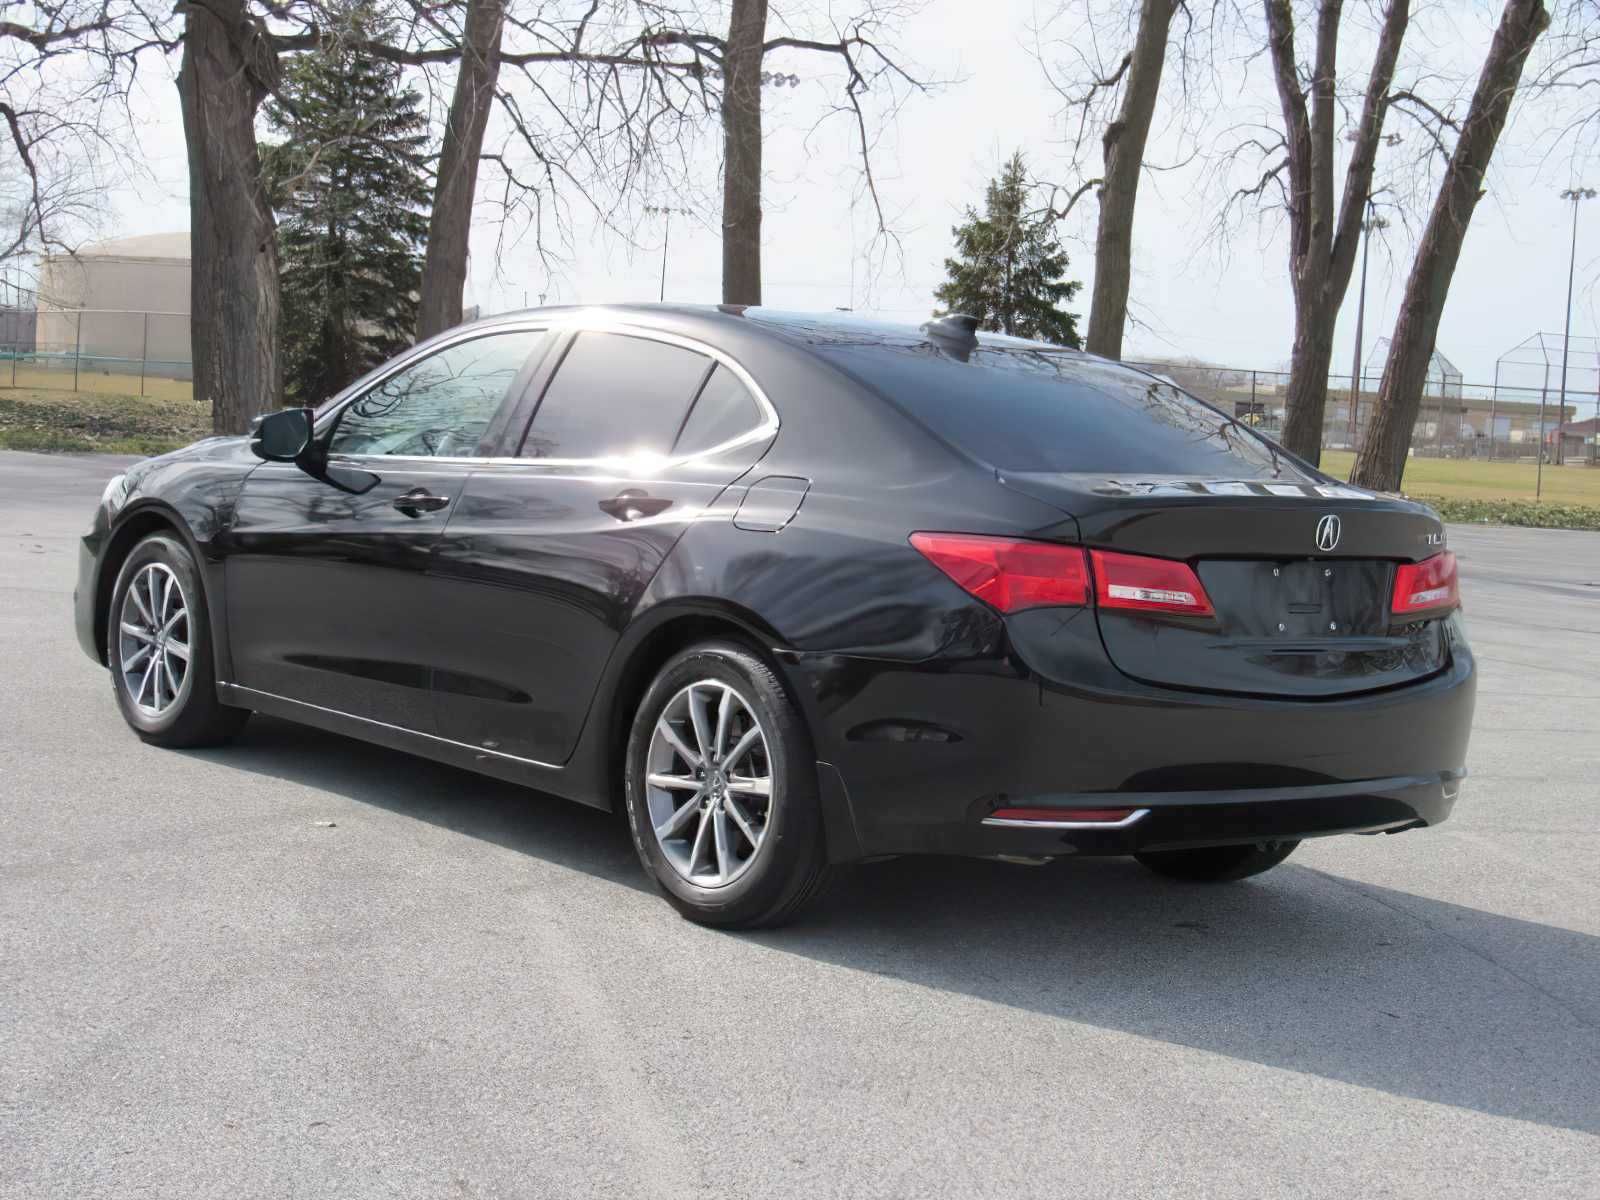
(796, 591)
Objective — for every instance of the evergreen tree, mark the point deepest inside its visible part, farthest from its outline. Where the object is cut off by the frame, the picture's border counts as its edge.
(1009, 268)
(351, 197)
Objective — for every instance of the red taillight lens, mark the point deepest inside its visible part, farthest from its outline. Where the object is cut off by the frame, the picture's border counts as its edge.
(1011, 575)
(1141, 584)
(1426, 586)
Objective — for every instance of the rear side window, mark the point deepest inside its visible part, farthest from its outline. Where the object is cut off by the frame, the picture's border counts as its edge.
(615, 395)
(1024, 409)
(724, 410)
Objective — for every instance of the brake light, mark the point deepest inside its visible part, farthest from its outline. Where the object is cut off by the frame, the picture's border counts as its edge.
(1009, 574)
(1426, 586)
(1141, 584)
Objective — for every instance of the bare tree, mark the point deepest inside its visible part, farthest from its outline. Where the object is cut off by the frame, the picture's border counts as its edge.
(1382, 458)
(1323, 239)
(444, 269)
(741, 155)
(857, 44)
(1132, 86)
(230, 65)
(58, 125)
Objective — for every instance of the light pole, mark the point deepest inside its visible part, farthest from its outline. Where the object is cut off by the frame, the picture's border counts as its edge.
(1575, 195)
(1372, 222)
(665, 210)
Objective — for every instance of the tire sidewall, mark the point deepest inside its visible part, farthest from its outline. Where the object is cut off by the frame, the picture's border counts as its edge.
(794, 825)
(170, 552)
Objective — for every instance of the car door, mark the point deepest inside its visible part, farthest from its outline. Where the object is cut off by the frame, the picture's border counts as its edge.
(329, 598)
(633, 437)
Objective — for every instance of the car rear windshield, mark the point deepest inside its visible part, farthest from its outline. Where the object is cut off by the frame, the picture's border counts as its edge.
(1022, 408)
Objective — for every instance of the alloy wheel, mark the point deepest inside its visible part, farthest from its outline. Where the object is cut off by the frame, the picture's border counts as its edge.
(708, 783)
(153, 634)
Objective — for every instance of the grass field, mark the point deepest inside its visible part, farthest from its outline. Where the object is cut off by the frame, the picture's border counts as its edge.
(56, 376)
(1472, 479)
(88, 421)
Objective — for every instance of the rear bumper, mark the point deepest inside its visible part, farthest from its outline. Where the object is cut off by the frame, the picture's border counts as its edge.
(925, 752)
(1180, 820)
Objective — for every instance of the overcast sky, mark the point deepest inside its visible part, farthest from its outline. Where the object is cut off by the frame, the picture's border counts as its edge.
(1224, 301)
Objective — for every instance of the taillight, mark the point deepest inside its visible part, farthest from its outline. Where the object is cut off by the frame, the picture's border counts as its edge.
(1426, 586)
(1141, 584)
(1009, 574)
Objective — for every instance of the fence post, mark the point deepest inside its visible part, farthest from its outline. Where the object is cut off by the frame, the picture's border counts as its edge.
(77, 347)
(144, 353)
(1494, 394)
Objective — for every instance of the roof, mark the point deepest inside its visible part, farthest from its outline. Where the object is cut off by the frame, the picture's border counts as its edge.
(148, 245)
(806, 328)
(1586, 428)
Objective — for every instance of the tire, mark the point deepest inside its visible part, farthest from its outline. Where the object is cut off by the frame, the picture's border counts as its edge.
(743, 881)
(160, 707)
(1217, 864)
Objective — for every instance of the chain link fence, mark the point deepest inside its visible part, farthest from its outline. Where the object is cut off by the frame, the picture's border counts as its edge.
(97, 350)
(148, 354)
(1455, 420)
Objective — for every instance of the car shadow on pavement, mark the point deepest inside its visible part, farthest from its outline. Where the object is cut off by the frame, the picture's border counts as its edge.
(1301, 969)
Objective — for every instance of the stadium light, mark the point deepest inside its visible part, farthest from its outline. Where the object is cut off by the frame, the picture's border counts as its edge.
(665, 210)
(1574, 195)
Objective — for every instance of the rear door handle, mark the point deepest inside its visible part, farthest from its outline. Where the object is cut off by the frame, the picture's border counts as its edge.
(632, 504)
(420, 500)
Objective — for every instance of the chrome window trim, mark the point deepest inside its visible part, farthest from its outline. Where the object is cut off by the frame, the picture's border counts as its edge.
(1137, 814)
(580, 323)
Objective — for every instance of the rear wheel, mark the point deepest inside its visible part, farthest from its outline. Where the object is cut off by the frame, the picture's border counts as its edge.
(1217, 864)
(158, 646)
(722, 790)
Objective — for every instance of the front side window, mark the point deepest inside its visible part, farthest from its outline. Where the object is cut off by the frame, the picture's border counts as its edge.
(439, 406)
(615, 395)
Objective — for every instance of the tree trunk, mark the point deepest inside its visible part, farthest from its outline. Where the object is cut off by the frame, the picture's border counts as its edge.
(1323, 239)
(741, 153)
(444, 269)
(1123, 148)
(1381, 462)
(228, 66)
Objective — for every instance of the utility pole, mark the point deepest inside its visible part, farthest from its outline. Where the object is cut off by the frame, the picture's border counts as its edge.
(1575, 195)
(666, 211)
(1372, 222)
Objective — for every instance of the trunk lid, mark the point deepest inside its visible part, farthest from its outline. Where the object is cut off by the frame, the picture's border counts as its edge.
(1300, 575)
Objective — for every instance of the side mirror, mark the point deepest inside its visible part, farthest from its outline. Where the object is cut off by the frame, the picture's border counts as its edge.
(282, 436)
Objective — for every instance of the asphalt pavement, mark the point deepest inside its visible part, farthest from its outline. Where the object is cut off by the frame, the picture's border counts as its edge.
(302, 966)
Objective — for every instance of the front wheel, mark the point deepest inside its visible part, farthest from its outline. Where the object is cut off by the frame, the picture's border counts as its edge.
(722, 790)
(1217, 864)
(158, 646)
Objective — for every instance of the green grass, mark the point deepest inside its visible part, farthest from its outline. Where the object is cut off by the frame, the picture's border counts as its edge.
(95, 422)
(1474, 479)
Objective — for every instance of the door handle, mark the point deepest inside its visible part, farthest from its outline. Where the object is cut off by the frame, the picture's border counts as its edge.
(418, 501)
(632, 504)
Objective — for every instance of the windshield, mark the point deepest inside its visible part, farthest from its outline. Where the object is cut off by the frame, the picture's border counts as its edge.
(1025, 408)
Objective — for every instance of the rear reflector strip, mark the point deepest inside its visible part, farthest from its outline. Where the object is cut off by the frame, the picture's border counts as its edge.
(1066, 818)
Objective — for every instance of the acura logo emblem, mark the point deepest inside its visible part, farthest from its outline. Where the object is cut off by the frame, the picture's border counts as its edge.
(1328, 533)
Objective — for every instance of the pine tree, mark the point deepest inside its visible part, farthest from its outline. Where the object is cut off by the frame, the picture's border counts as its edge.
(1010, 265)
(348, 186)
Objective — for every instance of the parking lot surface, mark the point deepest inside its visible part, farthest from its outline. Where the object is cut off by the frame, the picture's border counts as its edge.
(302, 966)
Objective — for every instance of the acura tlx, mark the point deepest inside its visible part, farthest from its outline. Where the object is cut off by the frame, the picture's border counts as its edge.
(797, 590)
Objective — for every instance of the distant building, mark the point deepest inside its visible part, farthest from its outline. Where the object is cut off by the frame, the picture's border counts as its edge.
(123, 301)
